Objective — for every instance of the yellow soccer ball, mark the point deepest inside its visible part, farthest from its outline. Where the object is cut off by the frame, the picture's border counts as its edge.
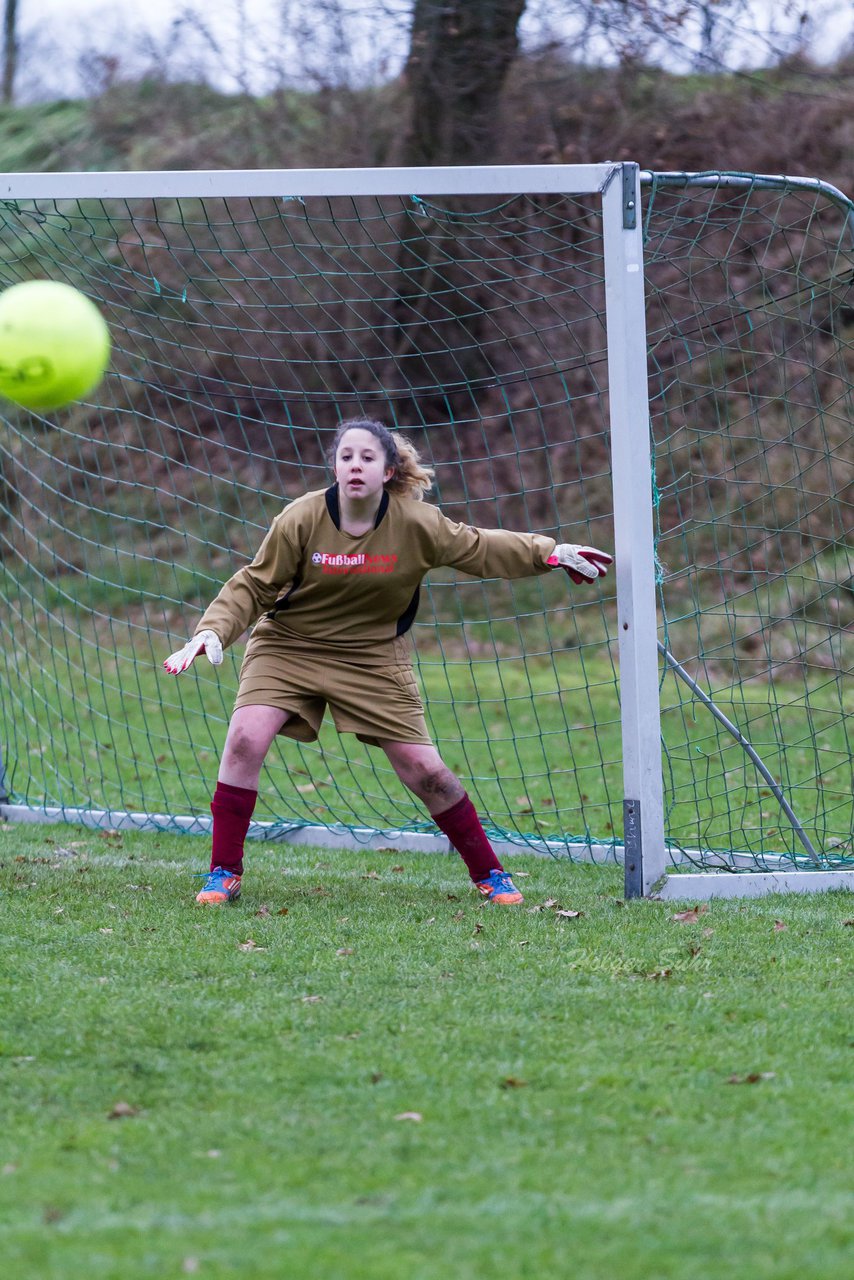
(54, 344)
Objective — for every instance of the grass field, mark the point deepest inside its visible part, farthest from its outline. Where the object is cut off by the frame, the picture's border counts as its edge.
(360, 1072)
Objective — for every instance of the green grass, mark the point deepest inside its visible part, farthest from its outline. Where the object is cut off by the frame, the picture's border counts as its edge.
(584, 1084)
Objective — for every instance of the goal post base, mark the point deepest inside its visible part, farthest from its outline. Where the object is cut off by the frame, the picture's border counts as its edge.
(299, 833)
(692, 888)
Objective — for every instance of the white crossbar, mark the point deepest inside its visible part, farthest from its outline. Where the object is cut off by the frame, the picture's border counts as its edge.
(566, 179)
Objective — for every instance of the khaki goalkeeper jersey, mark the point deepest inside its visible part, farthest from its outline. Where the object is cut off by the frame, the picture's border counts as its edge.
(314, 585)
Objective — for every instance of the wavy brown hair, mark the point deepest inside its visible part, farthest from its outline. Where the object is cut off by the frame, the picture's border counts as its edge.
(411, 478)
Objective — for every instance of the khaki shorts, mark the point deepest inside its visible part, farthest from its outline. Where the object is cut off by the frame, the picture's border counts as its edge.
(376, 702)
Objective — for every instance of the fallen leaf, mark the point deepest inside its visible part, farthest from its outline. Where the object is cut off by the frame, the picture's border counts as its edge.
(250, 945)
(752, 1077)
(376, 1076)
(691, 917)
(551, 902)
(344, 951)
(513, 1082)
(658, 974)
(415, 1116)
(779, 926)
(304, 790)
(398, 868)
(311, 999)
(263, 910)
(458, 915)
(569, 915)
(105, 931)
(524, 943)
(849, 923)
(371, 875)
(283, 911)
(478, 928)
(121, 1110)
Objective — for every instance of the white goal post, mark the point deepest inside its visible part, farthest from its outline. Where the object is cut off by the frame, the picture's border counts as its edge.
(645, 854)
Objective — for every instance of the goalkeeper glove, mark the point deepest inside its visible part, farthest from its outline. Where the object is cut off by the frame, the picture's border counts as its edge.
(208, 641)
(583, 564)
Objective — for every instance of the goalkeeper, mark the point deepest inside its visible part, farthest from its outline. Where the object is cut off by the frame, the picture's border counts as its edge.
(333, 592)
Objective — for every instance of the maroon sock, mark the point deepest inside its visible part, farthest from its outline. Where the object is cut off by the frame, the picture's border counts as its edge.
(232, 809)
(462, 826)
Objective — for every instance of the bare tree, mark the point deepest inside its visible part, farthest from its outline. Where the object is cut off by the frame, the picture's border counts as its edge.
(10, 48)
(459, 56)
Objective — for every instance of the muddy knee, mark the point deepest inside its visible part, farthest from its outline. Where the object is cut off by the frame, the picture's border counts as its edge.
(244, 748)
(435, 784)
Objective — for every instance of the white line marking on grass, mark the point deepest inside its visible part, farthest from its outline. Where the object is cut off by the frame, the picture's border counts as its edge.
(284, 1211)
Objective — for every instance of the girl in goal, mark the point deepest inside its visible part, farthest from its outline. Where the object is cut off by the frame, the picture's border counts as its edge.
(332, 594)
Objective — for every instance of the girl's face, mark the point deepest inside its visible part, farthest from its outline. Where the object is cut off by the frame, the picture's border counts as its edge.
(360, 464)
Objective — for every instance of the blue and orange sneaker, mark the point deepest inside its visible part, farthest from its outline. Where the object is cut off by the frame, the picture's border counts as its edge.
(219, 887)
(499, 888)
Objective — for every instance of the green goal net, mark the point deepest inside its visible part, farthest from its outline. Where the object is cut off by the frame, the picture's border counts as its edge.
(750, 327)
(244, 327)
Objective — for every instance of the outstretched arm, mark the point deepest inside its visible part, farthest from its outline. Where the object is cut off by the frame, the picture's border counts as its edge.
(491, 553)
(502, 554)
(241, 601)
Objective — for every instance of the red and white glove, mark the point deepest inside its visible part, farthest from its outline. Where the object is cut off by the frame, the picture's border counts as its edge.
(207, 641)
(583, 564)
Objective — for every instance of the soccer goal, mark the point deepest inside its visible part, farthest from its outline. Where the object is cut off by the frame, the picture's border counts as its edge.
(656, 363)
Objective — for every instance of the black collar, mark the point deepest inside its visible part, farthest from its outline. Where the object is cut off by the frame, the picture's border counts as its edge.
(333, 506)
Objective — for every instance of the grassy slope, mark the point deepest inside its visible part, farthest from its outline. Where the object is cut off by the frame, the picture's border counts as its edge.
(793, 119)
(150, 125)
(584, 1084)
